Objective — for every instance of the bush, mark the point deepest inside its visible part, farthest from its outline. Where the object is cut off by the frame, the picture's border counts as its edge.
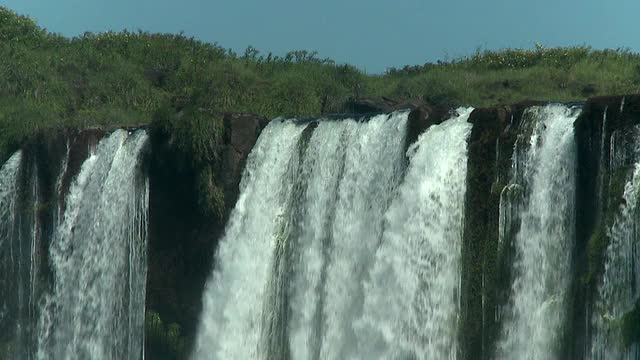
(163, 342)
(114, 78)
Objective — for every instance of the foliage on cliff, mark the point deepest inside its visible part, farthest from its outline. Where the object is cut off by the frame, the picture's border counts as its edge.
(114, 78)
(164, 341)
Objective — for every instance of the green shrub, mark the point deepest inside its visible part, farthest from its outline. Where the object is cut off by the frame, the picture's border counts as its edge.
(596, 247)
(163, 342)
(115, 77)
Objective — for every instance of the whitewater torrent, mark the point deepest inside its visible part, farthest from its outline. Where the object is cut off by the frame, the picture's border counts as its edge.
(98, 258)
(620, 286)
(412, 298)
(232, 309)
(315, 240)
(12, 319)
(546, 170)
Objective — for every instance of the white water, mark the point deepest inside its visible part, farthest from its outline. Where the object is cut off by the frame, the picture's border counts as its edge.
(535, 319)
(232, 310)
(412, 297)
(11, 299)
(316, 239)
(620, 287)
(98, 257)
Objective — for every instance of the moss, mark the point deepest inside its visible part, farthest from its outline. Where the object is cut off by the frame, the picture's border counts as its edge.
(6, 349)
(617, 183)
(195, 136)
(599, 240)
(211, 199)
(596, 247)
(631, 326)
(163, 342)
(41, 208)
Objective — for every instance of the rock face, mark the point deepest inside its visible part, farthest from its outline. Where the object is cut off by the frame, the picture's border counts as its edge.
(182, 239)
(485, 274)
(241, 130)
(599, 172)
(368, 105)
(422, 117)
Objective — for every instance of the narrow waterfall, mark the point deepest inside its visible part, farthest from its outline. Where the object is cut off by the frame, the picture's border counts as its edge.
(89, 303)
(620, 286)
(544, 168)
(13, 320)
(98, 256)
(318, 236)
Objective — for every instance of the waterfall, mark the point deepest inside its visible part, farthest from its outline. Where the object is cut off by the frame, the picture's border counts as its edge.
(412, 298)
(319, 234)
(545, 169)
(234, 296)
(620, 286)
(343, 243)
(98, 256)
(12, 319)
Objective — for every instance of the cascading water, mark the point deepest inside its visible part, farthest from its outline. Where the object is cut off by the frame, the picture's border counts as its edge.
(546, 171)
(412, 297)
(620, 286)
(234, 296)
(341, 246)
(98, 256)
(309, 252)
(12, 319)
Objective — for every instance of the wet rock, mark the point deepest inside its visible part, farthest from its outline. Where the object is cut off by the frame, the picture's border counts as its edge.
(421, 118)
(368, 105)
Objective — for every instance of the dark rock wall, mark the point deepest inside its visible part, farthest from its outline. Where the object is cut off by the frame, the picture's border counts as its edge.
(599, 193)
(485, 268)
(183, 238)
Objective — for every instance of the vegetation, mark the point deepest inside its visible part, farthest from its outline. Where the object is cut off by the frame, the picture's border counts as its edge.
(596, 247)
(631, 326)
(111, 78)
(114, 78)
(165, 342)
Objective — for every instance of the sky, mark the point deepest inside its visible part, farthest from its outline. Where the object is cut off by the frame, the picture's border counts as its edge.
(370, 34)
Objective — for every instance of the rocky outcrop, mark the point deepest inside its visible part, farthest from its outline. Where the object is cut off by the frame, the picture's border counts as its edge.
(485, 270)
(369, 105)
(182, 235)
(241, 130)
(422, 117)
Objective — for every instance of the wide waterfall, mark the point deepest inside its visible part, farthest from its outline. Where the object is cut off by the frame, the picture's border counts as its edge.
(544, 166)
(92, 304)
(492, 233)
(331, 254)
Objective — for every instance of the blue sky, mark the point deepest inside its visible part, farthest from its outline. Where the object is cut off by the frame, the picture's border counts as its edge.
(370, 34)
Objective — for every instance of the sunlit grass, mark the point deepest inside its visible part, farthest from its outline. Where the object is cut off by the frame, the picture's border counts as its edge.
(122, 77)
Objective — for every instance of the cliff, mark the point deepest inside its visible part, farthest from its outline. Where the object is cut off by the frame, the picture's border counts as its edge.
(194, 175)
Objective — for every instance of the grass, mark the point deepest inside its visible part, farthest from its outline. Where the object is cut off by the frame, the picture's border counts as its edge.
(165, 341)
(112, 78)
